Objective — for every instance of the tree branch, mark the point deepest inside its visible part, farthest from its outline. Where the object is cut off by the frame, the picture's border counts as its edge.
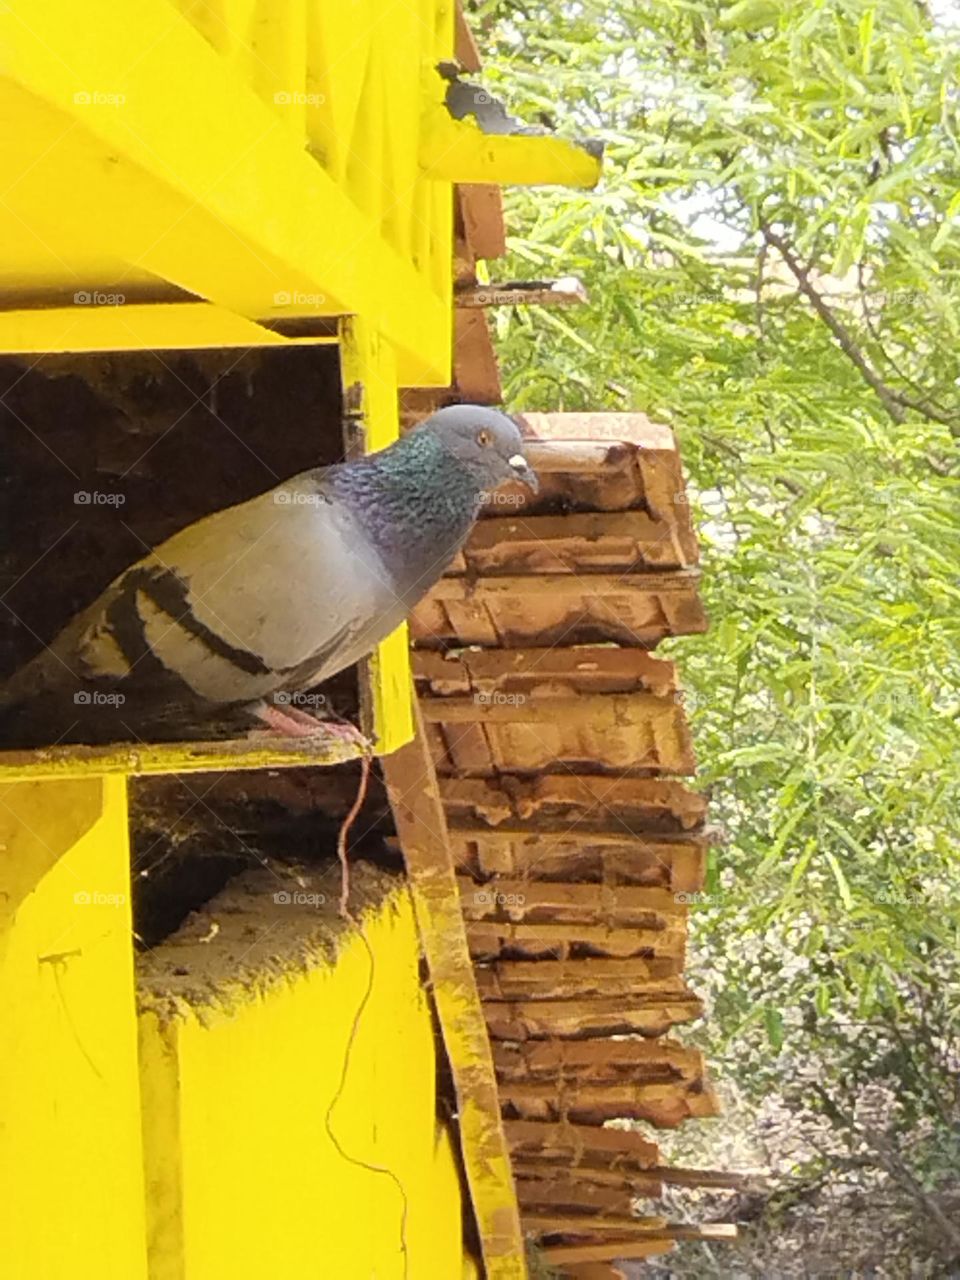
(872, 330)
(893, 401)
(891, 1160)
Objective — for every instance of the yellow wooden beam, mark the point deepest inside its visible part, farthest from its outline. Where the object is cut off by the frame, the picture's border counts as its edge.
(173, 757)
(422, 828)
(94, 324)
(369, 373)
(71, 1173)
(165, 156)
(459, 151)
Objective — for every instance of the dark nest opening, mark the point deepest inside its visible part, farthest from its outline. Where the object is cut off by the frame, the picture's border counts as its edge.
(108, 455)
(192, 833)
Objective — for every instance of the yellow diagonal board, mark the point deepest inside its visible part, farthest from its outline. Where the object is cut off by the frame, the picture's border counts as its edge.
(421, 825)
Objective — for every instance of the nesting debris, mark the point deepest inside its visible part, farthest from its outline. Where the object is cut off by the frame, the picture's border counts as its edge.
(264, 925)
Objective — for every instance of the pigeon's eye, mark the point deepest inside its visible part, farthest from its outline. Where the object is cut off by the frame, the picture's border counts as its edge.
(484, 438)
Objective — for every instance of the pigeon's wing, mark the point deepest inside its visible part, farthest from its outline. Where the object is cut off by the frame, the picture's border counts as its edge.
(262, 593)
(244, 602)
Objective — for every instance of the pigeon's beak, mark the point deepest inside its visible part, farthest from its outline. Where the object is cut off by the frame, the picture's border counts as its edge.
(523, 471)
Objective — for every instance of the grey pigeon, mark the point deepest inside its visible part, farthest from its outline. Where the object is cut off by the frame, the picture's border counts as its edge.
(269, 597)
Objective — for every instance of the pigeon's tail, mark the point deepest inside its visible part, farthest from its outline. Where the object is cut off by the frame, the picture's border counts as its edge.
(100, 713)
(54, 701)
(39, 721)
(42, 702)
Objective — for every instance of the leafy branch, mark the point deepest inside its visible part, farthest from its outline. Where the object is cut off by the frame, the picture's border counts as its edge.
(895, 402)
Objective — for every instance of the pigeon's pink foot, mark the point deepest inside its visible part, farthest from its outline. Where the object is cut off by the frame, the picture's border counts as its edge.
(348, 732)
(291, 722)
(307, 722)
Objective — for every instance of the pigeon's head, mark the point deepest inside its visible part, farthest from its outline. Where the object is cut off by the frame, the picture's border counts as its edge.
(487, 443)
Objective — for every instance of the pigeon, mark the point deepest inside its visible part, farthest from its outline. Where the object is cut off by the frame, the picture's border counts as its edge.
(224, 621)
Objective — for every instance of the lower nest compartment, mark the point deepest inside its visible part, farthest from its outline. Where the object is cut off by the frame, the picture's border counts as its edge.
(262, 924)
(108, 455)
(190, 835)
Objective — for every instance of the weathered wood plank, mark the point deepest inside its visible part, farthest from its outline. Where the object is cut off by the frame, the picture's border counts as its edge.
(675, 582)
(614, 670)
(622, 731)
(564, 900)
(567, 292)
(598, 1059)
(665, 1105)
(573, 1145)
(487, 938)
(540, 1019)
(578, 457)
(476, 371)
(421, 824)
(626, 1228)
(468, 55)
(568, 979)
(574, 1225)
(595, 427)
(574, 1196)
(635, 1181)
(481, 207)
(564, 1254)
(677, 864)
(597, 710)
(512, 532)
(646, 806)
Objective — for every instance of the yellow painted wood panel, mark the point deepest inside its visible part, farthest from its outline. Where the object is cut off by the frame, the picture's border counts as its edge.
(171, 161)
(71, 1184)
(245, 1181)
(389, 676)
(89, 325)
(369, 373)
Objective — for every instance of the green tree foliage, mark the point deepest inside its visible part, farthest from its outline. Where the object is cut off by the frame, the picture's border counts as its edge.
(773, 260)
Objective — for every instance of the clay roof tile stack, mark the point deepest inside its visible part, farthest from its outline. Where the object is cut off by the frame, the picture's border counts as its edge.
(560, 743)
